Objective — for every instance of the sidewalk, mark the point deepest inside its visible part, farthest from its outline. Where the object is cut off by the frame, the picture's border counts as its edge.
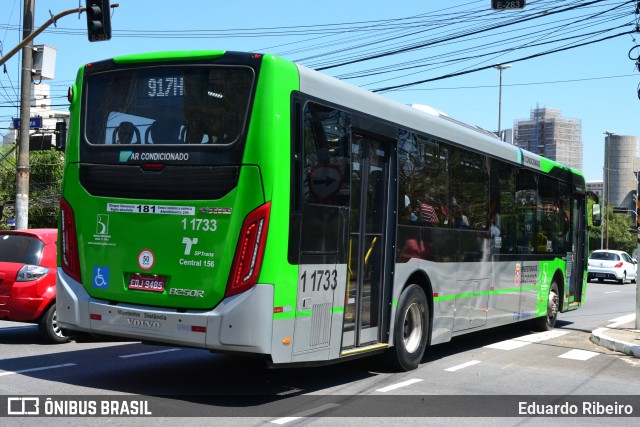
(622, 337)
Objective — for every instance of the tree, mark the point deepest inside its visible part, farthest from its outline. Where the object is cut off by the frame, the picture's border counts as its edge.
(45, 179)
(620, 238)
(7, 183)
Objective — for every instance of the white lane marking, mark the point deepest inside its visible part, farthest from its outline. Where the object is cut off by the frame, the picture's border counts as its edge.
(284, 420)
(578, 355)
(507, 345)
(464, 365)
(398, 385)
(526, 340)
(621, 320)
(613, 292)
(125, 356)
(312, 411)
(542, 336)
(292, 391)
(42, 368)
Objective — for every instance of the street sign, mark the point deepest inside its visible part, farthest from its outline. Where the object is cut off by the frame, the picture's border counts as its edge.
(325, 181)
(34, 123)
(507, 4)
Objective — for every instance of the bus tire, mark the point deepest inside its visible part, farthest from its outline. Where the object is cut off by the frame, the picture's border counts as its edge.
(49, 329)
(548, 321)
(411, 329)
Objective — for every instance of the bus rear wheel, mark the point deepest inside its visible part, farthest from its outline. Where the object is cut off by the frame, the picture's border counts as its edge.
(411, 329)
(548, 322)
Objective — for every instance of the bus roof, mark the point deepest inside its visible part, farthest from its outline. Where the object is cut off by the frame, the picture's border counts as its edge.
(420, 118)
(326, 87)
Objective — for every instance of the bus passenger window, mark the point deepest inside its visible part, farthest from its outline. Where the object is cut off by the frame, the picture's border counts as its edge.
(324, 187)
(470, 187)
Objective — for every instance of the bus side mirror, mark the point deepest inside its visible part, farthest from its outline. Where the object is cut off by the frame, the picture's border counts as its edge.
(596, 216)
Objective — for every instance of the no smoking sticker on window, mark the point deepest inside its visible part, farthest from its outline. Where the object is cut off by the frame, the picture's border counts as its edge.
(146, 259)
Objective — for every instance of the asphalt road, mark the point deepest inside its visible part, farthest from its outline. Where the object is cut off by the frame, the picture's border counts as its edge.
(475, 377)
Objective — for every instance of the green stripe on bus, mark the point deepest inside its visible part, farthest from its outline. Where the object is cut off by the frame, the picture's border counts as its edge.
(489, 292)
(305, 313)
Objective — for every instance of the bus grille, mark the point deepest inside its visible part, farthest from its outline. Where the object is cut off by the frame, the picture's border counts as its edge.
(321, 327)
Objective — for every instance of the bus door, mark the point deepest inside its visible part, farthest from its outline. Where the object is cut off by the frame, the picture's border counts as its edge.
(576, 258)
(369, 213)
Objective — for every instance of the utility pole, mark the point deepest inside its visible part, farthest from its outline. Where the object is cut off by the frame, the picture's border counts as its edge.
(637, 207)
(102, 26)
(22, 176)
(500, 67)
(607, 161)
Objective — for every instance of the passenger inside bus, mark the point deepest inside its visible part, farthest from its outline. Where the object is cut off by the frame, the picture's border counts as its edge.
(459, 220)
(163, 131)
(408, 213)
(124, 134)
(494, 230)
(195, 135)
(427, 211)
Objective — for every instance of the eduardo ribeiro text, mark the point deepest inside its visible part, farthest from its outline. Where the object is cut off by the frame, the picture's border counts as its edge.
(585, 409)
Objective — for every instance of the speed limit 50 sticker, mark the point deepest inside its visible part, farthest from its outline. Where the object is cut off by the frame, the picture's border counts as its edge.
(146, 259)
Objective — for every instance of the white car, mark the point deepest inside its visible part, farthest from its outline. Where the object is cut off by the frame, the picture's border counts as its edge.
(611, 265)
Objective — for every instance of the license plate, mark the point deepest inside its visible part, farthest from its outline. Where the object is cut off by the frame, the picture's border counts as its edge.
(147, 282)
(601, 275)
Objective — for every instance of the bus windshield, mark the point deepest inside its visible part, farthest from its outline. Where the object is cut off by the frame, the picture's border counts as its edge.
(167, 105)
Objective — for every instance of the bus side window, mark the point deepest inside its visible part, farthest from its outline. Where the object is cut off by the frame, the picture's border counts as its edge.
(526, 211)
(319, 224)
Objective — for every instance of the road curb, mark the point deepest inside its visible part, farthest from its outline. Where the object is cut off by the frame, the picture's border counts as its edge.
(600, 337)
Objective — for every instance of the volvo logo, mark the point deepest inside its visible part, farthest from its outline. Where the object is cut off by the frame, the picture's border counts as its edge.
(144, 323)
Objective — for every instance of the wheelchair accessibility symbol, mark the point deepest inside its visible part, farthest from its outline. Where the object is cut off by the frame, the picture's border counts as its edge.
(101, 277)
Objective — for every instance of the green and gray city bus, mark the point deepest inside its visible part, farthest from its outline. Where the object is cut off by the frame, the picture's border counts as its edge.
(241, 203)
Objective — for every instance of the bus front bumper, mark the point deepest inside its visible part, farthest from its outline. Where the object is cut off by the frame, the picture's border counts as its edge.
(241, 323)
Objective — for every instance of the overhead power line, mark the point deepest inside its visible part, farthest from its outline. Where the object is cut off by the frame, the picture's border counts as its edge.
(391, 88)
(429, 43)
(464, 36)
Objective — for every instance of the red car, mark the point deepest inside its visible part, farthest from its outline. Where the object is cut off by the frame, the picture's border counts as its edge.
(28, 261)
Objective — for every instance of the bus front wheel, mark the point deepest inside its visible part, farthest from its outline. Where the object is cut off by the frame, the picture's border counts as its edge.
(411, 329)
(548, 322)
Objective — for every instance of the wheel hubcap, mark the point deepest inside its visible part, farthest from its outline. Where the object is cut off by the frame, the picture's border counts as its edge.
(54, 325)
(412, 331)
(552, 305)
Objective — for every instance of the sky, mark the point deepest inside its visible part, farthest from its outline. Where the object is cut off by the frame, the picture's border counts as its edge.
(389, 47)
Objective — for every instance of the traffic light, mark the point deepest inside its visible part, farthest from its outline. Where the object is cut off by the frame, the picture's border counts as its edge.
(98, 20)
